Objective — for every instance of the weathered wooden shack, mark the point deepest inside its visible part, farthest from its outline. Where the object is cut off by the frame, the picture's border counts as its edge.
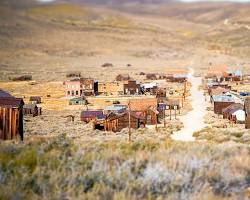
(91, 115)
(35, 99)
(32, 110)
(151, 76)
(221, 102)
(247, 112)
(235, 113)
(132, 88)
(117, 122)
(110, 88)
(78, 101)
(73, 74)
(149, 88)
(11, 117)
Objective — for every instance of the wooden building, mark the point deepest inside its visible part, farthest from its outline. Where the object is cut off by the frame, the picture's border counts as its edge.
(110, 88)
(221, 102)
(78, 87)
(78, 101)
(91, 115)
(32, 109)
(177, 76)
(247, 112)
(149, 88)
(161, 93)
(73, 74)
(35, 99)
(147, 107)
(151, 76)
(235, 113)
(173, 104)
(11, 117)
(117, 122)
(132, 88)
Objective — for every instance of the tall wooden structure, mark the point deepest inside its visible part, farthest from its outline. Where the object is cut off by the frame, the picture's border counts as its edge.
(247, 112)
(11, 117)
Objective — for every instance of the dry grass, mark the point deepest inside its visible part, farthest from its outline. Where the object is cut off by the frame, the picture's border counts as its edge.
(64, 168)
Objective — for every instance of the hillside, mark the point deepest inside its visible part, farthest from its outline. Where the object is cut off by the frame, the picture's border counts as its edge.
(47, 40)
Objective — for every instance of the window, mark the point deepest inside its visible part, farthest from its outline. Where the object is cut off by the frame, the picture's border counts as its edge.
(76, 92)
(68, 93)
(72, 93)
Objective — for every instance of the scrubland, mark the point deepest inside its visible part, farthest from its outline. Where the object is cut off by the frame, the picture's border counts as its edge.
(62, 168)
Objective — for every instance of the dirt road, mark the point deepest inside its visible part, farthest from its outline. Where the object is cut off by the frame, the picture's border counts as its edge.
(194, 120)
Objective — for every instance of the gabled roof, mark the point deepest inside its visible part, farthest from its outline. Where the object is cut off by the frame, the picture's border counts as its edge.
(233, 108)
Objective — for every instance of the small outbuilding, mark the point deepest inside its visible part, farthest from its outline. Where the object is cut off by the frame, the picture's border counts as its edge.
(221, 102)
(35, 99)
(78, 101)
(234, 113)
(90, 115)
(32, 110)
(11, 117)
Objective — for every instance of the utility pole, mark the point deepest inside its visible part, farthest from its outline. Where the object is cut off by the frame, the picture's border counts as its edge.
(164, 116)
(129, 122)
(175, 111)
(170, 112)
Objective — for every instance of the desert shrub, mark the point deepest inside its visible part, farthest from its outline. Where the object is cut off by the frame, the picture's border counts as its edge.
(61, 168)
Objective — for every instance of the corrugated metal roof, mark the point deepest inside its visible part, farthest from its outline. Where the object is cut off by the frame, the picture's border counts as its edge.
(115, 108)
(222, 98)
(4, 94)
(91, 113)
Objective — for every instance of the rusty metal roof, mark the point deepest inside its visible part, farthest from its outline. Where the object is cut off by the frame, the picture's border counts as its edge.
(4, 94)
(91, 113)
(11, 102)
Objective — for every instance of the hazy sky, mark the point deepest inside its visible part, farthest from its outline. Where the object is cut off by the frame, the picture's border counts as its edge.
(240, 1)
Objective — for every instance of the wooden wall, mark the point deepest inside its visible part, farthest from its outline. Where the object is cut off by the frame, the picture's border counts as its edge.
(247, 122)
(11, 123)
(219, 106)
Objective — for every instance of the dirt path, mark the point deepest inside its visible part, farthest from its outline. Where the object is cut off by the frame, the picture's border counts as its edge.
(194, 120)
